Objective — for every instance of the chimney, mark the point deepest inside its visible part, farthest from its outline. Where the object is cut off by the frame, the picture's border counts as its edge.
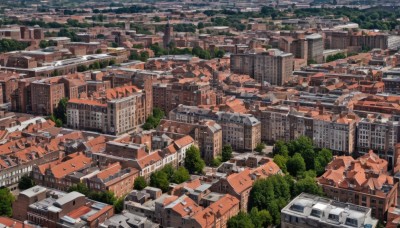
(321, 109)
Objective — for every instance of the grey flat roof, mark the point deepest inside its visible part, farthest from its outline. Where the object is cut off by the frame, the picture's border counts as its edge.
(67, 198)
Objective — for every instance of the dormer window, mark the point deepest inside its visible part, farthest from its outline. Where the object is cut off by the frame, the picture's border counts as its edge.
(352, 222)
(333, 217)
(297, 207)
(316, 213)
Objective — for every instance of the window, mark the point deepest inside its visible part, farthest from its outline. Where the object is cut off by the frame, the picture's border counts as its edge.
(351, 222)
(296, 207)
(333, 217)
(316, 213)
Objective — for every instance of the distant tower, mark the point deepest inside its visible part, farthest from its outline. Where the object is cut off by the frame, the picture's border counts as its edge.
(168, 34)
(127, 25)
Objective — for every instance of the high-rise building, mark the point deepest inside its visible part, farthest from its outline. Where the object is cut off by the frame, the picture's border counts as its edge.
(272, 66)
(168, 35)
(315, 48)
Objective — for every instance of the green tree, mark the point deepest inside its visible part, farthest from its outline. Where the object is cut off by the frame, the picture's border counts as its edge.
(271, 194)
(219, 53)
(296, 165)
(281, 149)
(6, 199)
(260, 147)
(216, 161)
(144, 56)
(157, 19)
(159, 180)
(180, 175)
(26, 182)
(169, 170)
(140, 183)
(307, 185)
(193, 162)
(241, 220)
(107, 197)
(60, 112)
(300, 145)
(260, 218)
(311, 61)
(280, 160)
(81, 188)
(158, 113)
(119, 205)
(200, 25)
(226, 153)
(322, 159)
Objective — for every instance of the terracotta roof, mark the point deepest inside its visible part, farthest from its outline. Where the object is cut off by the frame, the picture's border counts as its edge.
(120, 92)
(184, 141)
(266, 170)
(70, 166)
(216, 210)
(110, 170)
(86, 102)
(12, 223)
(240, 181)
(149, 159)
(184, 206)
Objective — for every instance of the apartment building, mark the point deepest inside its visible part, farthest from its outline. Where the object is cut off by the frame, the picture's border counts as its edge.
(360, 39)
(169, 96)
(207, 135)
(143, 157)
(315, 48)
(46, 94)
(308, 210)
(198, 208)
(52, 208)
(114, 178)
(239, 184)
(116, 111)
(271, 66)
(378, 133)
(334, 132)
(54, 174)
(241, 131)
(364, 182)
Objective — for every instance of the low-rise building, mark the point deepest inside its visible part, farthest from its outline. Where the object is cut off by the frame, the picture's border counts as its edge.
(308, 210)
(52, 208)
(115, 179)
(364, 182)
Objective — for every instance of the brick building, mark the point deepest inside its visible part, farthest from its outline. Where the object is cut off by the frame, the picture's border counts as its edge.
(272, 66)
(46, 94)
(114, 111)
(114, 178)
(241, 131)
(52, 208)
(364, 182)
(169, 96)
(207, 134)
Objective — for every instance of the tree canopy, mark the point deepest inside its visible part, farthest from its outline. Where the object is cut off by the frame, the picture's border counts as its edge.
(193, 162)
(140, 183)
(26, 182)
(226, 153)
(6, 199)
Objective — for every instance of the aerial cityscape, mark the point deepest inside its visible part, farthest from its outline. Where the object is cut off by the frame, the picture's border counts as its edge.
(199, 113)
